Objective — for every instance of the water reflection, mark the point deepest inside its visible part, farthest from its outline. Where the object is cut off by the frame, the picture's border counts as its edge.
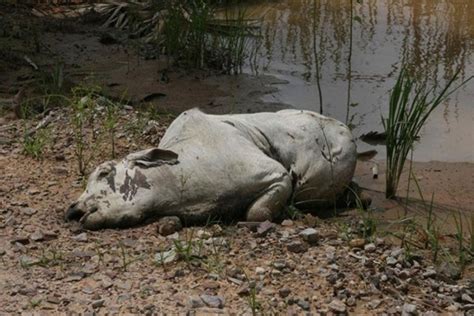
(434, 37)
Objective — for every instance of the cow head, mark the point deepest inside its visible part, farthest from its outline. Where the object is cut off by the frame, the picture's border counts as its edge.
(119, 194)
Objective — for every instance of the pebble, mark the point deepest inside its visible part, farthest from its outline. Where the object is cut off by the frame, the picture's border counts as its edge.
(195, 302)
(297, 247)
(287, 223)
(357, 243)
(391, 261)
(310, 235)
(82, 237)
(284, 292)
(169, 225)
(213, 300)
(259, 270)
(98, 303)
(304, 305)
(264, 228)
(466, 298)
(337, 306)
(408, 309)
(370, 247)
(37, 236)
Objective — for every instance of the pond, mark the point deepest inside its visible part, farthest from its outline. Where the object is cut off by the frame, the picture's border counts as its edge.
(435, 37)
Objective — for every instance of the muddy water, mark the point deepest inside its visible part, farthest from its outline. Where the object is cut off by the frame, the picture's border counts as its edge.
(435, 36)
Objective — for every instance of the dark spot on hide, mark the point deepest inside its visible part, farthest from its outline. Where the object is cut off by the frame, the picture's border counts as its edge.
(111, 178)
(131, 185)
(292, 137)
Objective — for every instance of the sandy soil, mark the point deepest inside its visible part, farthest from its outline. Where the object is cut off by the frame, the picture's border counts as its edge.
(49, 266)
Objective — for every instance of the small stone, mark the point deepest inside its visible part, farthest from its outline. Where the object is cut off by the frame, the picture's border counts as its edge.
(264, 228)
(169, 225)
(37, 236)
(370, 247)
(391, 261)
(351, 301)
(279, 264)
(304, 305)
(195, 302)
(408, 309)
(466, 298)
(357, 243)
(337, 306)
(259, 270)
(213, 300)
(297, 247)
(374, 304)
(98, 303)
(82, 237)
(284, 292)
(429, 273)
(29, 211)
(310, 235)
(287, 223)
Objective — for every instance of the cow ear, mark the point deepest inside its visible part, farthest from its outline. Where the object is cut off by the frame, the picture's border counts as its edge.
(153, 157)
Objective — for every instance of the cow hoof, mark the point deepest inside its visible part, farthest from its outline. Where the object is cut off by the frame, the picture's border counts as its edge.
(259, 215)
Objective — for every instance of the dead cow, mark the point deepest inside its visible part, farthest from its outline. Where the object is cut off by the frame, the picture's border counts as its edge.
(227, 166)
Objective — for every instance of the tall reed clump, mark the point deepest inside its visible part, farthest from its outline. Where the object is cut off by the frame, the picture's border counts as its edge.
(194, 33)
(411, 104)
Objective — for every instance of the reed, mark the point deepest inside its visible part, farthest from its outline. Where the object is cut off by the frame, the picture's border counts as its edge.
(411, 104)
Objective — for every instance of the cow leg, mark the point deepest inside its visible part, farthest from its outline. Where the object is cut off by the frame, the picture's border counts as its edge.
(270, 204)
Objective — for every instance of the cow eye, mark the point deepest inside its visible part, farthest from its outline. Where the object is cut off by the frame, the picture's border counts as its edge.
(103, 173)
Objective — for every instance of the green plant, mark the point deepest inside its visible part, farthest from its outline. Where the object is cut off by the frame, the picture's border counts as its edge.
(411, 103)
(188, 249)
(254, 303)
(35, 143)
(83, 107)
(110, 123)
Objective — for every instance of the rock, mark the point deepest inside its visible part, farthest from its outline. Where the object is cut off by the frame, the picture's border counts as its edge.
(429, 273)
(357, 243)
(169, 225)
(408, 309)
(370, 247)
(264, 228)
(304, 305)
(29, 211)
(391, 261)
(297, 247)
(284, 292)
(337, 306)
(213, 300)
(287, 223)
(244, 290)
(374, 304)
(310, 235)
(195, 302)
(98, 303)
(279, 264)
(37, 236)
(27, 261)
(467, 299)
(259, 270)
(351, 301)
(82, 237)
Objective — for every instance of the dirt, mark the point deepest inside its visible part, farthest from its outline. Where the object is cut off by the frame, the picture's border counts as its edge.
(50, 266)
